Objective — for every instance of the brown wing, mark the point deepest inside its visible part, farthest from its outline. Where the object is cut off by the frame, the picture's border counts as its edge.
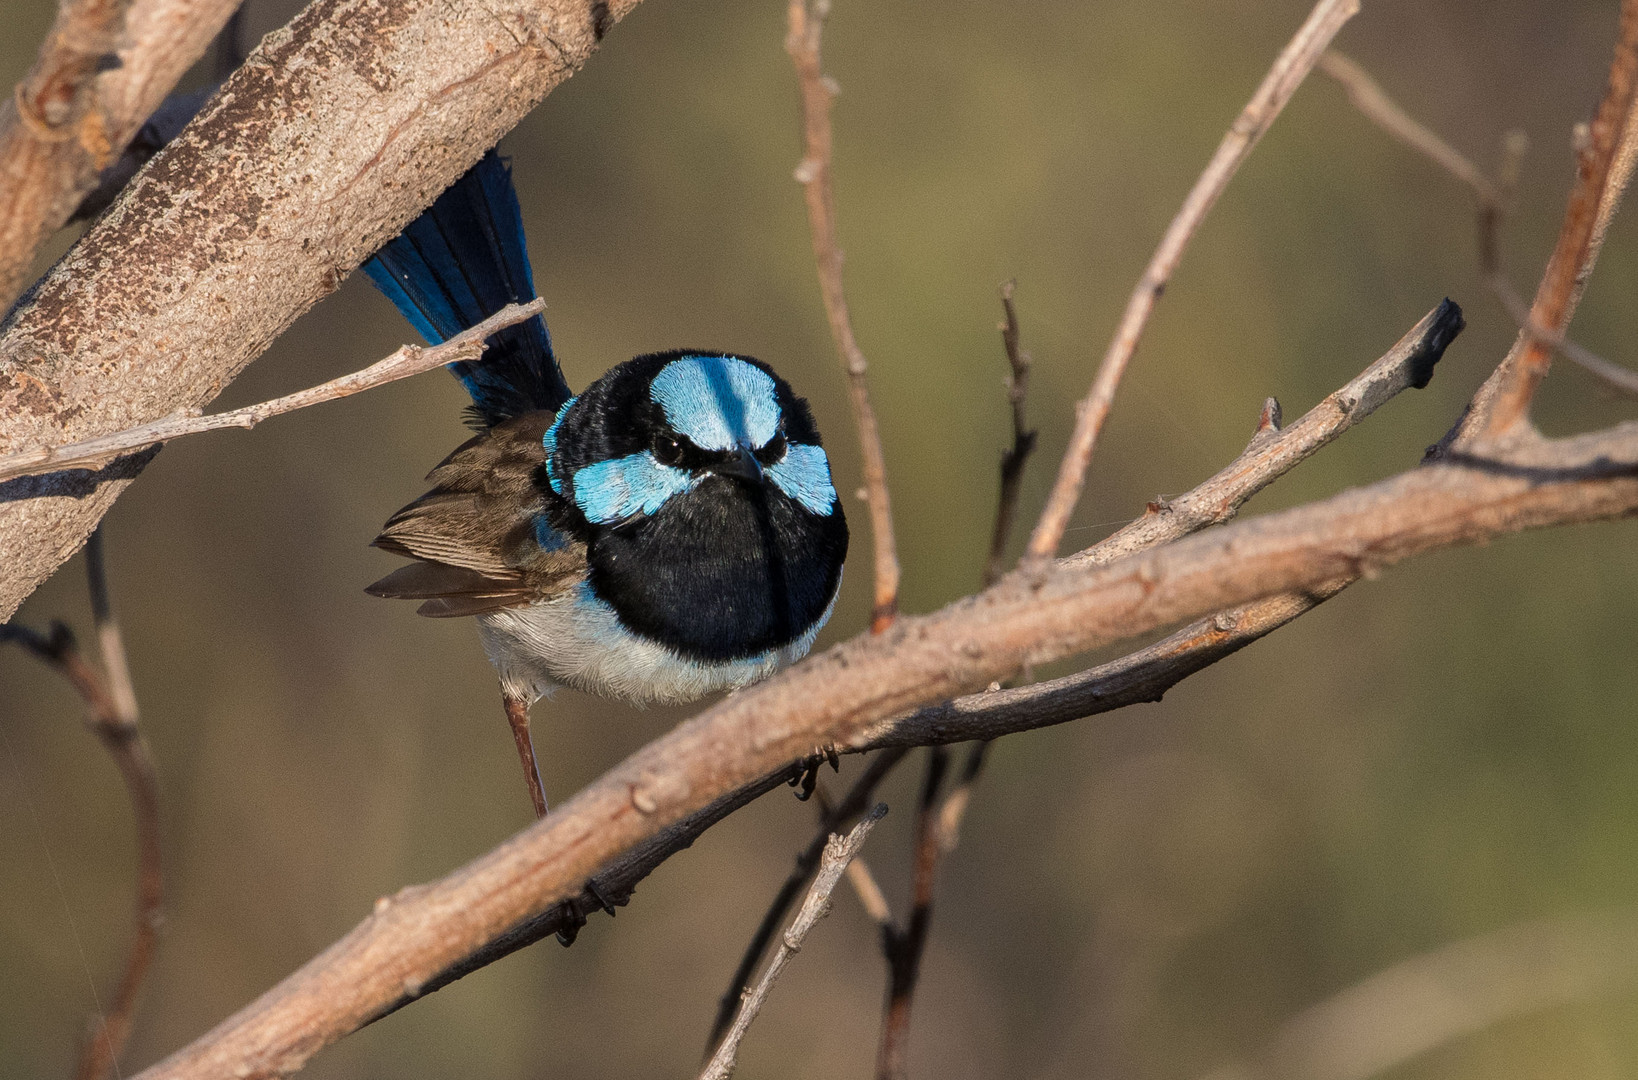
(473, 534)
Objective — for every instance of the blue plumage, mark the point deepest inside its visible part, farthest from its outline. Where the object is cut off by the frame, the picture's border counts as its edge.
(457, 264)
(671, 531)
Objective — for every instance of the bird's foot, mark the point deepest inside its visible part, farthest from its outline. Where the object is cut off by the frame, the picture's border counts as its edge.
(808, 778)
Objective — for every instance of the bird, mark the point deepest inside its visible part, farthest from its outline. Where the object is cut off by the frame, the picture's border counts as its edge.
(671, 531)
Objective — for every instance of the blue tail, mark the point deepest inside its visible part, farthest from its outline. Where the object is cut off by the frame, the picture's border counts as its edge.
(459, 263)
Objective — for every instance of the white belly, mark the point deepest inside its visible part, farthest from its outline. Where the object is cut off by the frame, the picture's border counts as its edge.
(576, 640)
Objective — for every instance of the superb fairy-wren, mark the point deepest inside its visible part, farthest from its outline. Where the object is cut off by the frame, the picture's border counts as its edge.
(670, 531)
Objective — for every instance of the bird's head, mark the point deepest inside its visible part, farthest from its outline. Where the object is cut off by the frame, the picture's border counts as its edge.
(703, 493)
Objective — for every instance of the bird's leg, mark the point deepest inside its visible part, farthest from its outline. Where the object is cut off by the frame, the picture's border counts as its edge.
(517, 714)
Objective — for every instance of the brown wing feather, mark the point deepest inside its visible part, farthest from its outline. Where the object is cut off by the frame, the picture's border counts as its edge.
(474, 532)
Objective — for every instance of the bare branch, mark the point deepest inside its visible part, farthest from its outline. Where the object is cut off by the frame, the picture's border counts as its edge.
(1438, 997)
(112, 716)
(1015, 457)
(1374, 102)
(1369, 98)
(406, 361)
(807, 24)
(1289, 70)
(838, 853)
(119, 733)
(1273, 452)
(903, 946)
(850, 696)
(299, 169)
(1585, 219)
(852, 805)
(104, 67)
(1139, 677)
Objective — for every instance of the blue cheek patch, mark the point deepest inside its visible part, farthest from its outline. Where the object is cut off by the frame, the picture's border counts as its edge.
(718, 402)
(609, 492)
(804, 475)
(550, 443)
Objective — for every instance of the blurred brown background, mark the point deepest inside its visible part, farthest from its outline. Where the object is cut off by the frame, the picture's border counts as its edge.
(1435, 754)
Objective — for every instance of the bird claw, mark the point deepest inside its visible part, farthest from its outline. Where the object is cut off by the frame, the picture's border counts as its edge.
(808, 779)
(597, 894)
(573, 920)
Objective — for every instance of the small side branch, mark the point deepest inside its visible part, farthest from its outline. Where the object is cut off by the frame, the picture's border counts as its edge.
(1492, 198)
(1590, 203)
(112, 716)
(806, 26)
(1275, 451)
(839, 852)
(851, 806)
(1282, 80)
(903, 946)
(1015, 457)
(408, 360)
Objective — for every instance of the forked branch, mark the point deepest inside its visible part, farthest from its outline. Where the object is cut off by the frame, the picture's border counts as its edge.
(1289, 70)
(111, 708)
(1591, 201)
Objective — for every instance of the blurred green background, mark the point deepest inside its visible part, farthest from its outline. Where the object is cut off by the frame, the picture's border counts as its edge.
(1434, 754)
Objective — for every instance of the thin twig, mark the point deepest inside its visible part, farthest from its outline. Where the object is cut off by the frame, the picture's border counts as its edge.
(1591, 202)
(946, 830)
(120, 734)
(903, 947)
(807, 860)
(1369, 98)
(859, 875)
(802, 43)
(838, 853)
(1015, 457)
(408, 360)
(1374, 102)
(1282, 80)
(1437, 997)
(954, 808)
(112, 716)
(1013, 460)
(1273, 451)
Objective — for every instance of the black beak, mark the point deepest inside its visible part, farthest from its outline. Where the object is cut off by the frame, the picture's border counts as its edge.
(743, 466)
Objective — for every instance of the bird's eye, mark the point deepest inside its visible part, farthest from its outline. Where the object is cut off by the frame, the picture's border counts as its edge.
(774, 452)
(668, 450)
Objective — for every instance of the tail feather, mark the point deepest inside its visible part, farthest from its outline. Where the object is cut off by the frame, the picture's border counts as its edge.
(457, 264)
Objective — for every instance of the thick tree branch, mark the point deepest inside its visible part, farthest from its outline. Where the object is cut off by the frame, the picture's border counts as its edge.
(853, 697)
(337, 130)
(104, 67)
(1289, 70)
(806, 26)
(407, 360)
